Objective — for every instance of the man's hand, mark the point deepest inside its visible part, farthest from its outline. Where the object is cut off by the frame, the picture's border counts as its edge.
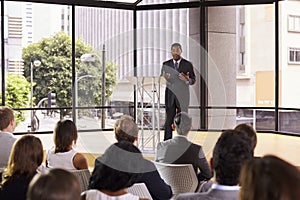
(184, 77)
(166, 75)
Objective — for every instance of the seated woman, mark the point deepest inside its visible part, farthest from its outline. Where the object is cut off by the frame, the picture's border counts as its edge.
(269, 178)
(54, 184)
(26, 156)
(115, 171)
(62, 155)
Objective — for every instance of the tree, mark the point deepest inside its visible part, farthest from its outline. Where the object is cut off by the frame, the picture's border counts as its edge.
(17, 94)
(55, 72)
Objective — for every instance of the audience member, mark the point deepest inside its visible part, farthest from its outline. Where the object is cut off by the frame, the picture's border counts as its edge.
(62, 155)
(180, 150)
(231, 151)
(54, 184)
(26, 156)
(127, 130)
(7, 127)
(117, 169)
(269, 178)
(249, 131)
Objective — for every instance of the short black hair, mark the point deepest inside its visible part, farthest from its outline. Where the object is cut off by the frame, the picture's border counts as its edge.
(118, 168)
(182, 123)
(176, 45)
(232, 149)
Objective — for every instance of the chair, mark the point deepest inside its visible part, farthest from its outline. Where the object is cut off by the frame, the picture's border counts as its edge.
(140, 190)
(83, 178)
(181, 177)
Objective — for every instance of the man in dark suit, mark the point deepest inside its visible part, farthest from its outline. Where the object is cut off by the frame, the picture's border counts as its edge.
(180, 150)
(179, 74)
(231, 151)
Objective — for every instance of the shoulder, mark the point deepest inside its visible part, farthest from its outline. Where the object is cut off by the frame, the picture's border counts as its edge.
(80, 161)
(8, 137)
(165, 143)
(197, 146)
(167, 62)
(186, 61)
(192, 196)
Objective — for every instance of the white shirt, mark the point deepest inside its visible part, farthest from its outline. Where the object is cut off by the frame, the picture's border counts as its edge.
(225, 187)
(98, 195)
(61, 160)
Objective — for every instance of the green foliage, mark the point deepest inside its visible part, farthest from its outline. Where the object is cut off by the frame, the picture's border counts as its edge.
(17, 94)
(55, 72)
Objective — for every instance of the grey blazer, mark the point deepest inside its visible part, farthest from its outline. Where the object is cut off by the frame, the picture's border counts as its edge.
(181, 151)
(6, 142)
(212, 194)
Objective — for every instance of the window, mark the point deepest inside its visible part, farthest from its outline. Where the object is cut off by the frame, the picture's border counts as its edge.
(294, 55)
(294, 23)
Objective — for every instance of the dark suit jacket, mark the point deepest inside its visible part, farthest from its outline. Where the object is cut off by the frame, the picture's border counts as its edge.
(175, 86)
(212, 194)
(181, 151)
(157, 187)
(16, 189)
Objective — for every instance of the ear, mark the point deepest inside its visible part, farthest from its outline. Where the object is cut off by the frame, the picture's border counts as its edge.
(136, 138)
(211, 162)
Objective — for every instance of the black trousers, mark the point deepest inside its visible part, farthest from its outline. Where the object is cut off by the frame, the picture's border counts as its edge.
(174, 105)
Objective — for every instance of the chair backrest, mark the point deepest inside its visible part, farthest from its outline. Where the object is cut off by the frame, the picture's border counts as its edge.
(83, 178)
(181, 177)
(140, 190)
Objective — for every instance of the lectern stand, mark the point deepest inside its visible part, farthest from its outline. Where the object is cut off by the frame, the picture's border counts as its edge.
(147, 108)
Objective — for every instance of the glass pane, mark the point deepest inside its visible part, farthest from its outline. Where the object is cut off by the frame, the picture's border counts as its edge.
(241, 59)
(157, 31)
(290, 72)
(38, 60)
(108, 40)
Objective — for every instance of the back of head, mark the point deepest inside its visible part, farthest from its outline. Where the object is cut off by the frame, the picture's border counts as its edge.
(65, 133)
(25, 158)
(230, 152)
(249, 131)
(269, 178)
(6, 116)
(182, 123)
(126, 129)
(55, 184)
(118, 168)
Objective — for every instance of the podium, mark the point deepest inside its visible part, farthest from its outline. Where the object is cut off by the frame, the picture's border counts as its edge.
(149, 116)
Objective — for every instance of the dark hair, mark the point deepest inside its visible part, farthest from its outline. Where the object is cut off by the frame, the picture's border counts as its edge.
(6, 115)
(232, 149)
(54, 184)
(65, 133)
(126, 129)
(115, 169)
(182, 123)
(249, 130)
(269, 178)
(26, 156)
(176, 45)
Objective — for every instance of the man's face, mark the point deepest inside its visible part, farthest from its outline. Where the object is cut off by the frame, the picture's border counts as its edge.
(176, 52)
